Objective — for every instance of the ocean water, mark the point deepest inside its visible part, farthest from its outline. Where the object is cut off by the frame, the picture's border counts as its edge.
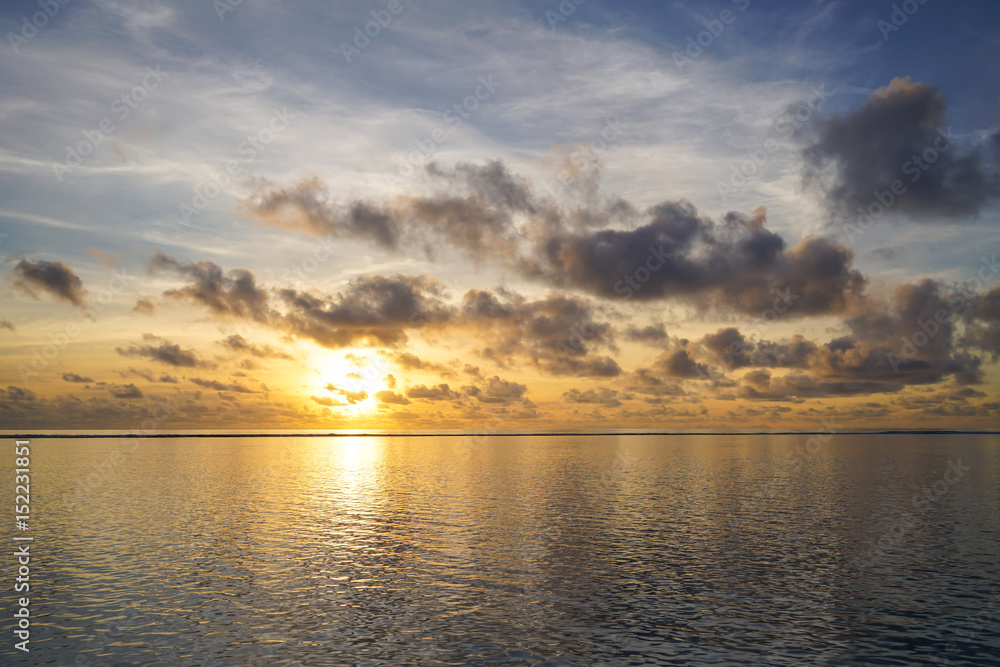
(521, 550)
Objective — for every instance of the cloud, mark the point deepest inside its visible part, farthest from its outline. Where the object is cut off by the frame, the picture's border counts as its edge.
(150, 377)
(804, 386)
(496, 390)
(127, 391)
(441, 392)
(306, 207)
(6, 324)
(164, 352)
(603, 396)
(732, 349)
(73, 377)
(983, 326)
(679, 364)
(221, 386)
(55, 278)
(479, 222)
(651, 334)
(412, 362)
(558, 334)
(233, 293)
(238, 343)
(19, 394)
(678, 253)
(735, 264)
(327, 401)
(391, 398)
(373, 309)
(898, 133)
(911, 338)
(650, 382)
(352, 396)
(144, 307)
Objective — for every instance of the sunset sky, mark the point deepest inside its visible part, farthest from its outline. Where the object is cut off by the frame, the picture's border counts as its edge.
(406, 214)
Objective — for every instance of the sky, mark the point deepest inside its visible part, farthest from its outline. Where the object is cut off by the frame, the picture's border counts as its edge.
(406, 214)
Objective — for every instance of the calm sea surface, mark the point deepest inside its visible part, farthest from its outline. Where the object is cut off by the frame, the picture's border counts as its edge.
(527, 550)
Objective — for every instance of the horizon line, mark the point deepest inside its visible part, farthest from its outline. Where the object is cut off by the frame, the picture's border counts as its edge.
(420, 434)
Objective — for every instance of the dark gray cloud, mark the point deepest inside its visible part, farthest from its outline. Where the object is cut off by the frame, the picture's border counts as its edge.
(441, 392)
(126, 391)
(306, 207)
(73, 377)
(798, 386)
(19, 394)
(909, 339)
(899, 133)
(733, 265)
(54, 278)
(6, 324)
(222, 386)
(559, 334)
(496, 390)
(651, 334)
(731, 349)
(233, 293)
(149, 377)
(673, 252)
(650, 382)
(679, 364)
(238, 343)
(478, 222)
(983, 323)
(603, 396)
(412, 362)
(163, 351)
(373, 309)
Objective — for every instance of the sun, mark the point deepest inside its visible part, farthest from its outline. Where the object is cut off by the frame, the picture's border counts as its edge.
(351, 378)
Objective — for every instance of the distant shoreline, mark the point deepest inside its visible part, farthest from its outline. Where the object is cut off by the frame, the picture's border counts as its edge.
(497, 434)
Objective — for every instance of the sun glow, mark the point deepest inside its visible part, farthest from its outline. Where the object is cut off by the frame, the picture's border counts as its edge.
(350, 379)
